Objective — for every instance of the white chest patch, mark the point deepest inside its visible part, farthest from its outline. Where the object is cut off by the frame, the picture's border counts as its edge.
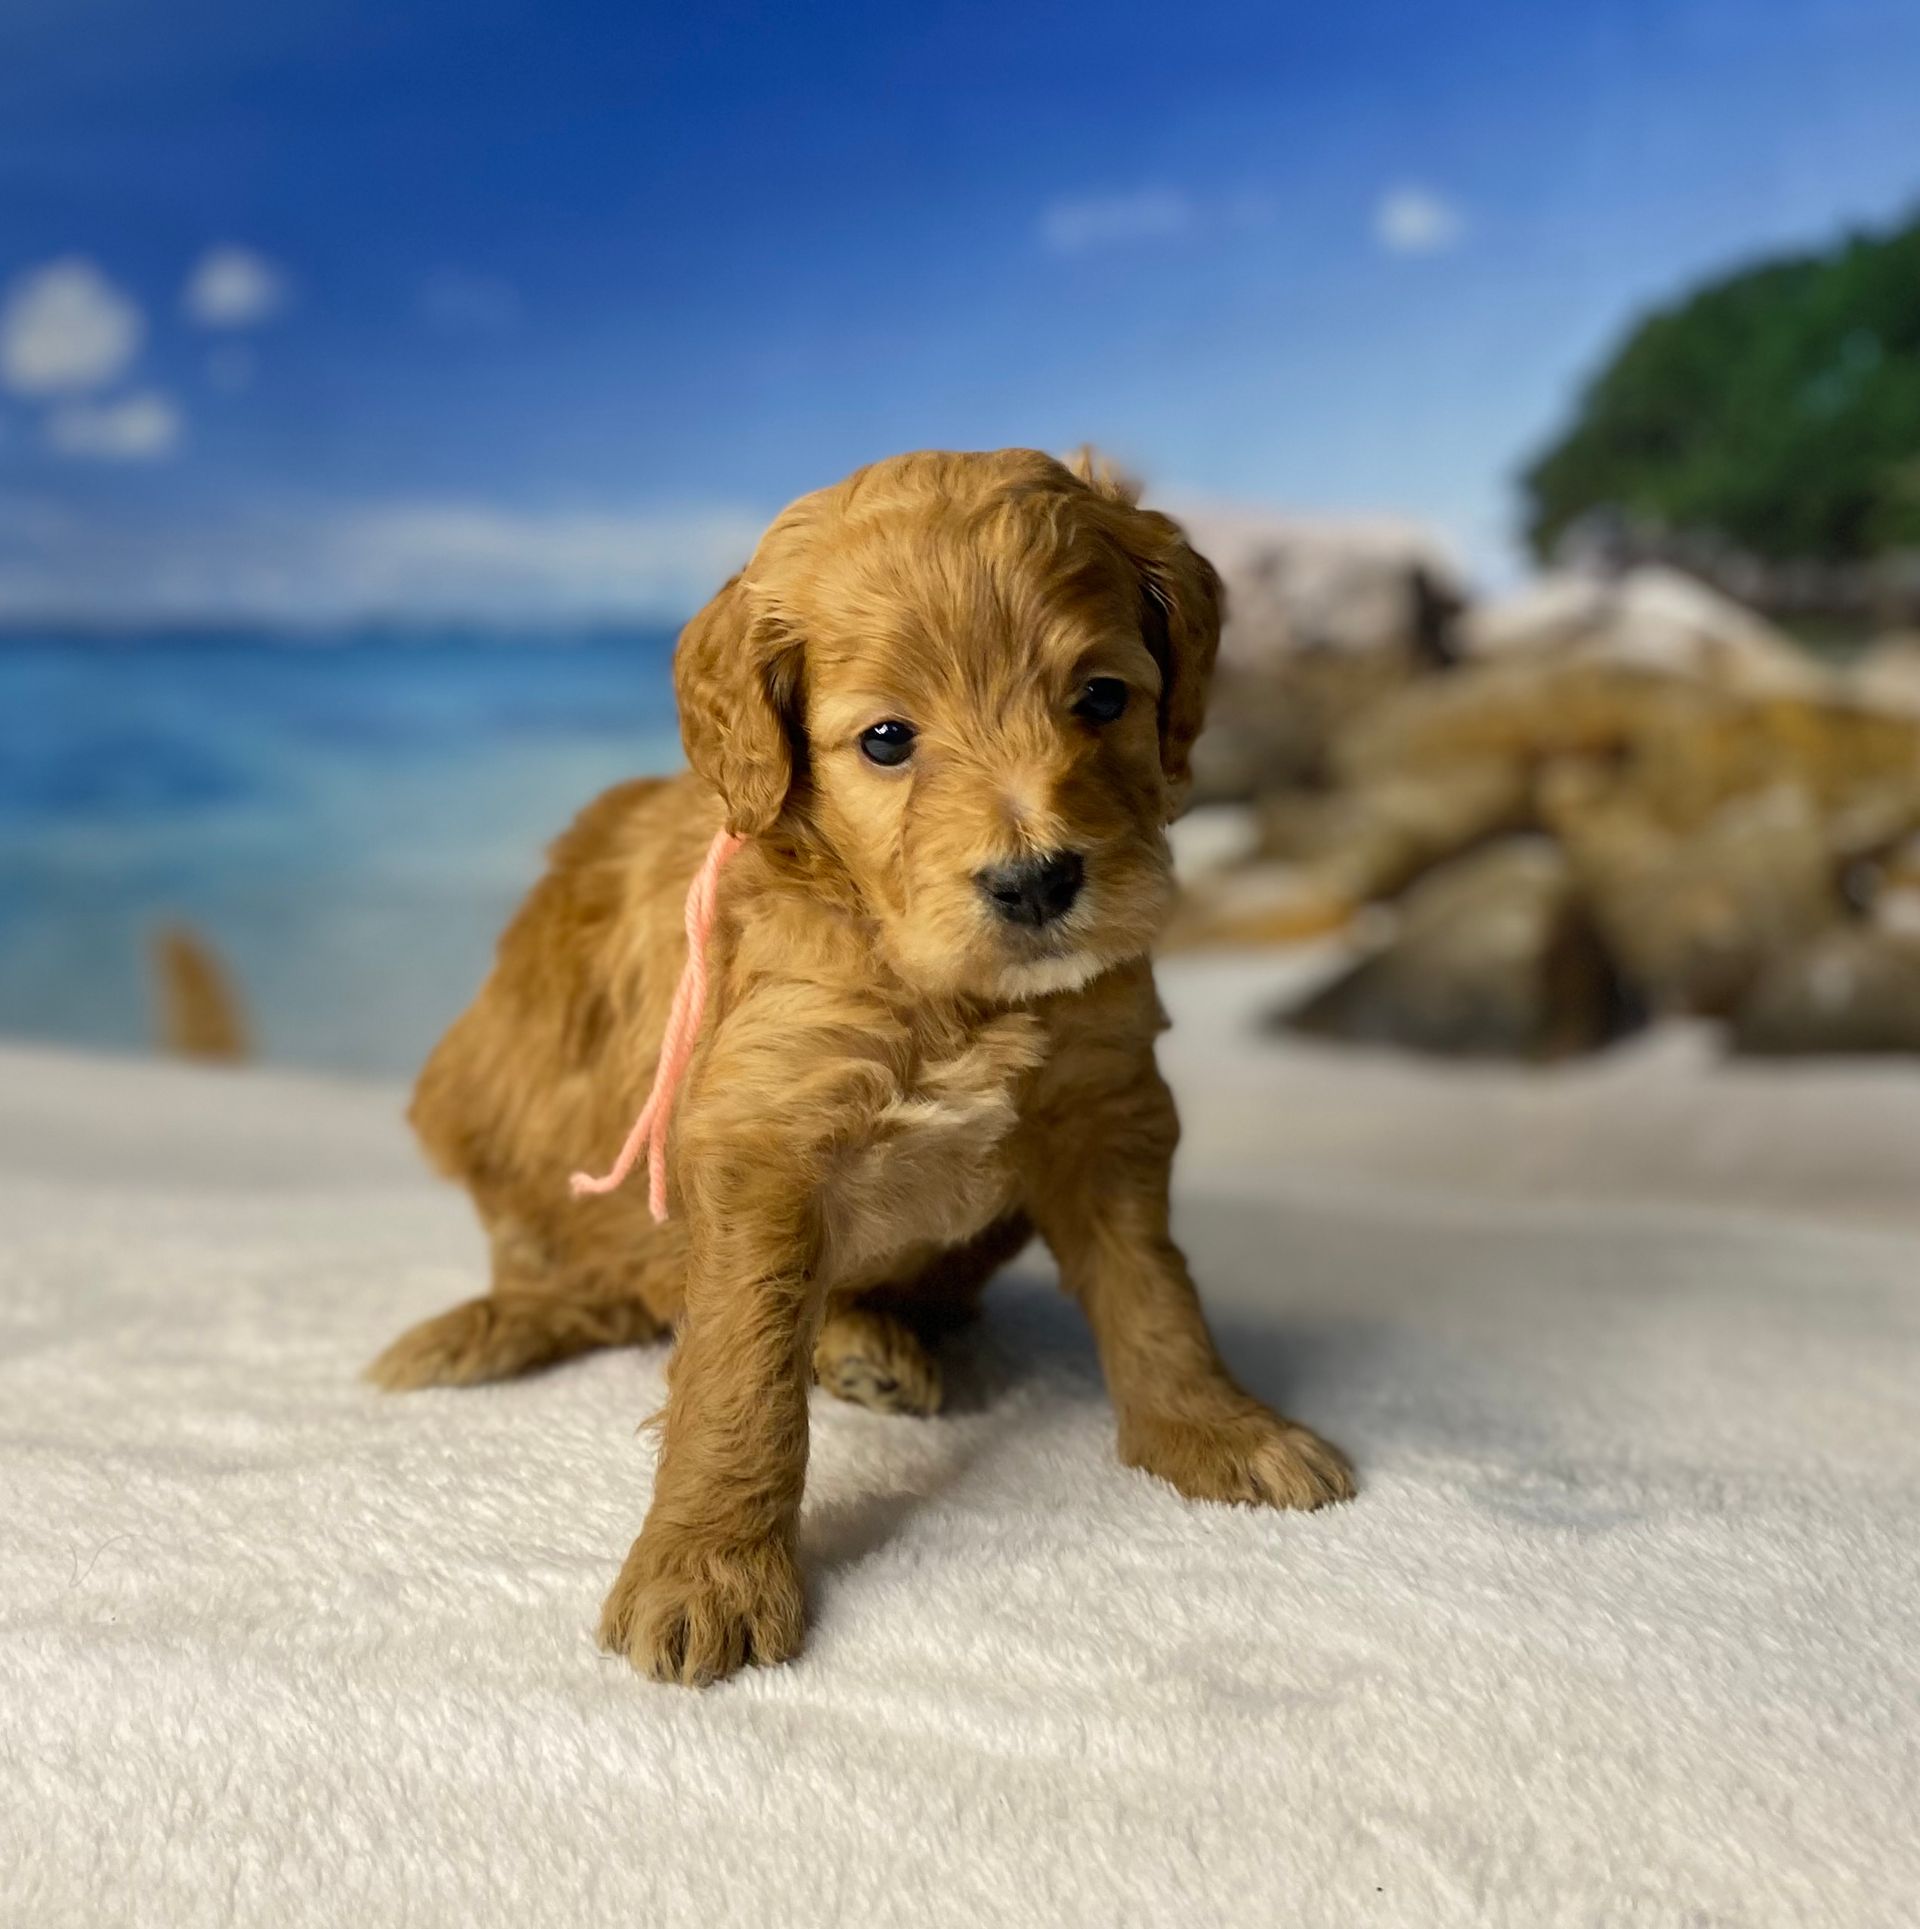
(935, 1168)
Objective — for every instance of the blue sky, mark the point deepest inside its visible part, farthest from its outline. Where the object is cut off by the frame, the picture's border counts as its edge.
(513, 309)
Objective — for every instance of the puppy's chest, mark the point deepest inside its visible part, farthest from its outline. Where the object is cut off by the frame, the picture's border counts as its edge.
(937, 1164)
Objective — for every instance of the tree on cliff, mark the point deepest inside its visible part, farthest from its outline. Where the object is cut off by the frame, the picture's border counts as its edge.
(1776, 409)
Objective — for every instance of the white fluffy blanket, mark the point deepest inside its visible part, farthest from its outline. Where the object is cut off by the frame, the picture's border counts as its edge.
(1625, 1626)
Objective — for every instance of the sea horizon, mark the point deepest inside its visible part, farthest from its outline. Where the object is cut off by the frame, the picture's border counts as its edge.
(346, 824)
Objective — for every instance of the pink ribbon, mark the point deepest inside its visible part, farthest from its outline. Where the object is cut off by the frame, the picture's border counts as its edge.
(676, 1046)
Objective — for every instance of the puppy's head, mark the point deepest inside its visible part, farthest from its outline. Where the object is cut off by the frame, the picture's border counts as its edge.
(977, 680)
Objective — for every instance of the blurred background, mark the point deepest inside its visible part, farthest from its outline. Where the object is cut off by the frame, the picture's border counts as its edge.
(381, 386)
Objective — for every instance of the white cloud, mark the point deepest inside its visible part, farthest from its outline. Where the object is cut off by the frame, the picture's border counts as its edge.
(137, 428)
(429, 559)
(460, 303)
(1075, 225)
(65, 328)
(471, 556)
(234, 288)
(1413, 220)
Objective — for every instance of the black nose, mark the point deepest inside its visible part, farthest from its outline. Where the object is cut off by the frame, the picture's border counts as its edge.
(1036, 890)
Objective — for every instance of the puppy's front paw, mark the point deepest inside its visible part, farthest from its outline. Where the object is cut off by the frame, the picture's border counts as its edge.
(686, 1611)
(1241, 1452)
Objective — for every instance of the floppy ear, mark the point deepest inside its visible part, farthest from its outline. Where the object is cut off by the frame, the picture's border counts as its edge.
(1185, 604)
(1182, 604)
(737, 678)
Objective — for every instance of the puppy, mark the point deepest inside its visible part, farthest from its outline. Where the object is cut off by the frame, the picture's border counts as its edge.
(949, 703)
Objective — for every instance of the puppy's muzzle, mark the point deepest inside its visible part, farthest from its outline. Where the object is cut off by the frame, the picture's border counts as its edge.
(1035, 891)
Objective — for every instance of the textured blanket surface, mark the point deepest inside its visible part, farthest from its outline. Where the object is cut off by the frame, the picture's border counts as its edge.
(1624, 1627)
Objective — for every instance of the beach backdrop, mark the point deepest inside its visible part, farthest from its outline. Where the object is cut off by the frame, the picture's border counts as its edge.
(349, 817)
(381, 388)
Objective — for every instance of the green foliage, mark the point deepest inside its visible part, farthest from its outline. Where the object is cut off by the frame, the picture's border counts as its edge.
(1777, 409)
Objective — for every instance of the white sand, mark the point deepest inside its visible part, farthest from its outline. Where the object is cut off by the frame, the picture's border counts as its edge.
(1624, 1627)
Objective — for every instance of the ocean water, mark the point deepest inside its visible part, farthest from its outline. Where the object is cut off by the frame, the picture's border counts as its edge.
(349, 821)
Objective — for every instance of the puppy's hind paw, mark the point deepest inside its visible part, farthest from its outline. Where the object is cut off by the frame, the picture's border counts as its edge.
(873, 1360)
(456, 1348)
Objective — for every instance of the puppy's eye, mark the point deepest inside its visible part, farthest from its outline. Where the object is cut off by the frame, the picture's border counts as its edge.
(887, 743)
(1104, 698)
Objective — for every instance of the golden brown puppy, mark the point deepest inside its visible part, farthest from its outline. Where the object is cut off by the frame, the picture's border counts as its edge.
(950, 703)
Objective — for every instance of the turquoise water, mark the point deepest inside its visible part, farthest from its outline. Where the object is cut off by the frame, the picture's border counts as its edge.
(348, 820)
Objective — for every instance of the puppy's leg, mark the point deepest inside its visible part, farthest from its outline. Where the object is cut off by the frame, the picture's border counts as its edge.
(713, 1581)
(1099, 1197)
(532, 1318)
(506, 1334)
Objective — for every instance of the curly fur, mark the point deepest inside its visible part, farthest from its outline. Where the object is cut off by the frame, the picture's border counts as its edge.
(894, 1087)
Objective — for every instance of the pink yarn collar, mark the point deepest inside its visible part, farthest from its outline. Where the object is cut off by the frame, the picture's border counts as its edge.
(676, 1046)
